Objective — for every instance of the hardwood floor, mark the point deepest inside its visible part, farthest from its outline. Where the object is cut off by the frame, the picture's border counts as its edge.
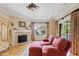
(18, 50)
(15, 50)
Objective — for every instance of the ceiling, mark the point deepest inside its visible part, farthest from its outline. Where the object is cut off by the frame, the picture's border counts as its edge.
(45, 11)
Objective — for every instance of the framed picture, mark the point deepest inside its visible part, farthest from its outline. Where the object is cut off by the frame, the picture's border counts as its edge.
(22, 24)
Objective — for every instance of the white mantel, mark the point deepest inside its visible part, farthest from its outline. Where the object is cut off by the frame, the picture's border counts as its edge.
(20, 32)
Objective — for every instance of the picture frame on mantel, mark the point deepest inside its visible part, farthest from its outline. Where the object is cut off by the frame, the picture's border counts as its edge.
(22, 24)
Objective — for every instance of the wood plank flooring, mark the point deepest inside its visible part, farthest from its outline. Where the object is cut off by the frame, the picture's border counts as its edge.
(15, 50)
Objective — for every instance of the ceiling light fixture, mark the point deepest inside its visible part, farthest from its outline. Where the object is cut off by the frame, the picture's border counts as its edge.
(32, 6)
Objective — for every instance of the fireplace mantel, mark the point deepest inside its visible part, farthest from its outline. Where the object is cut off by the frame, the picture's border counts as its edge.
(20, 32)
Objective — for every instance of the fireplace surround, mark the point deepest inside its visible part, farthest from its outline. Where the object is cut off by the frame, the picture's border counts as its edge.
(22, 35)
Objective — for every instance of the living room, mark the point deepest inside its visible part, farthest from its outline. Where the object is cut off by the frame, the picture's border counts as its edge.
(33, 28)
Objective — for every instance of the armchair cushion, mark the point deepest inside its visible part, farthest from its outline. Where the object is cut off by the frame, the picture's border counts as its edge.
(45, 43)
(55, 52)
(50, 50)
(48, 41)
(60, 43)
(45, 49)
(56, 41)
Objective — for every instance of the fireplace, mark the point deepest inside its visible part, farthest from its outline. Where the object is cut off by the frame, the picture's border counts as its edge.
(22, 38)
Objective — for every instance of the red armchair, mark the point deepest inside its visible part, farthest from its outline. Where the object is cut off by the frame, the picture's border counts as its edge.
(59, 47)
(36, 47)
(48, 41)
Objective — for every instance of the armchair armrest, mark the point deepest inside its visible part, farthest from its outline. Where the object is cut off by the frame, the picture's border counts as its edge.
(45, 40)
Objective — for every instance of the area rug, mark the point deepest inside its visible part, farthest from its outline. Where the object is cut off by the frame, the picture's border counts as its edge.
(26, 51)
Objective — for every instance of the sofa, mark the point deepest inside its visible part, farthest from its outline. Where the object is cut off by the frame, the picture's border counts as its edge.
(53, 46)
(36, 46)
